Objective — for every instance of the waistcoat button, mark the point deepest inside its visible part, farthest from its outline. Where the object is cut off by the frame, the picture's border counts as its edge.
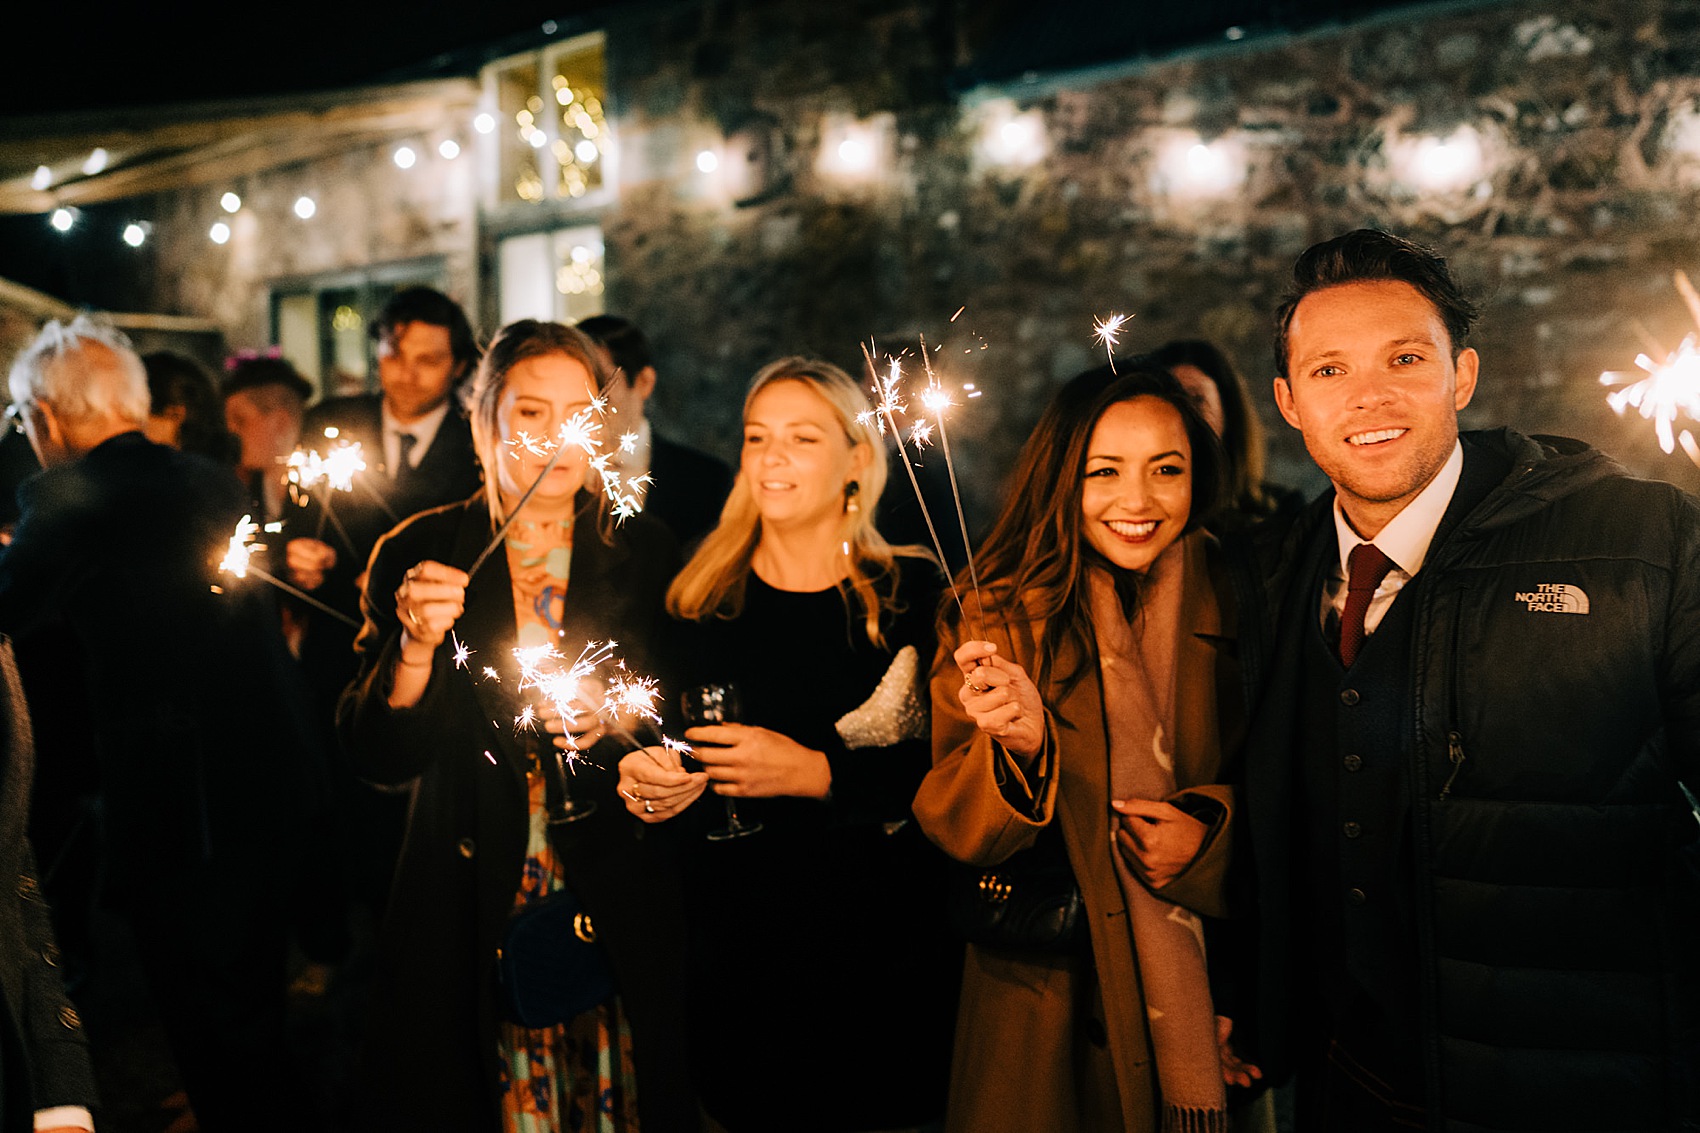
(1353, 762)
(1349, 697)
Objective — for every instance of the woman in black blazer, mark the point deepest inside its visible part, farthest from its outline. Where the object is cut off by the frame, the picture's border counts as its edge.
(440, 1055)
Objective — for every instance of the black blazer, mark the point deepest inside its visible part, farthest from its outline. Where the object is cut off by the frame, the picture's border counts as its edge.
(432, 1060)
(689, 489)
(186, 694)
(45, 1055)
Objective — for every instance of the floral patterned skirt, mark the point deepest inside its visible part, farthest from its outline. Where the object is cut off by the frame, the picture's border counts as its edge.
(577, 1077)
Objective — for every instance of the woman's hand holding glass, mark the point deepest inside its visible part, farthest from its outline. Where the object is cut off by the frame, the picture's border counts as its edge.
(1001, 699)
(747, 762)
(655, 784)
(1157, 840)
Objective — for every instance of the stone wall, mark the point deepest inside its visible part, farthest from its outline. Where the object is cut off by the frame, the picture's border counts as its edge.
(1584, 116)
(367, 213)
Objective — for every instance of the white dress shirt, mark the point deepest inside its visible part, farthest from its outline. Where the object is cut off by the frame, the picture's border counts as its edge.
(1405, 540)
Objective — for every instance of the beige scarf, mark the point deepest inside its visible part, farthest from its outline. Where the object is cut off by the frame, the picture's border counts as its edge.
(1139, 666)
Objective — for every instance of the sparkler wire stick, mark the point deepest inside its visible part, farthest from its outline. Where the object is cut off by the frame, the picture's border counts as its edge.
(943, 400)
(513, 513)
(383, 503)
(263, 576)
(885, 406)
(325, 512)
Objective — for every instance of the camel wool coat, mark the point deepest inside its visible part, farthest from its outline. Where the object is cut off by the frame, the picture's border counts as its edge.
(1060, 1042)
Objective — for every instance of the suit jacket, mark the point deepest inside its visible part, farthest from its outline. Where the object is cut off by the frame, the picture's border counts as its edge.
(690, 488)
(193, 708)
(1029, 1024)
(448, 472)
(44, 1059)
(432, 1062)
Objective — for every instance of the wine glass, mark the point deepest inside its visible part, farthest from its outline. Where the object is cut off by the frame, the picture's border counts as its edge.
(718, 704)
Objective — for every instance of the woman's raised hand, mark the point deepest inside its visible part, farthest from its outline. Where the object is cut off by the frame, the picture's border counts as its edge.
(656, 785)
(431, 597)
(1001, 698)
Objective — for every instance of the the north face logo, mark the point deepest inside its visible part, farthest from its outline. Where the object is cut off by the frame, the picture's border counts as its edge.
(1554, 598)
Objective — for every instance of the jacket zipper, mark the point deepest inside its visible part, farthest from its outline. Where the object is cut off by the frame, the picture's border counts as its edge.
(1455, 739)
(1455, 753)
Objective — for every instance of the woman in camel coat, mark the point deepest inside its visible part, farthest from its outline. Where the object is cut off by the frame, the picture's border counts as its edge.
(1124, 623)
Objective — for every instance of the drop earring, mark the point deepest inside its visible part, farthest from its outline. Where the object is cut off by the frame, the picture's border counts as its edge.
(851, 491)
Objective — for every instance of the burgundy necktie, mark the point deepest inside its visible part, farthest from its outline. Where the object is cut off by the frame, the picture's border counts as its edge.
(1366, 566)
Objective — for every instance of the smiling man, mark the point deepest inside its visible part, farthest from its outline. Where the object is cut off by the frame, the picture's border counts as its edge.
(1475, 674)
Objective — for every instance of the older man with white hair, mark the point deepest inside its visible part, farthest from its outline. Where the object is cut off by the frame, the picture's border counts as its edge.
(189, 717)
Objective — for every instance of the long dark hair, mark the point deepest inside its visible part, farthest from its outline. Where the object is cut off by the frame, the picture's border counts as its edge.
(1035, 559)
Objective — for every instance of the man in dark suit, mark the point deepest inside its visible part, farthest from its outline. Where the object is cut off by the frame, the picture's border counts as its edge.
(417, 445)
(415, 438)
(689, 486)
(204, 765)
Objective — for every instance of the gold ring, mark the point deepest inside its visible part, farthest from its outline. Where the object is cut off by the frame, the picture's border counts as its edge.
(648, 807)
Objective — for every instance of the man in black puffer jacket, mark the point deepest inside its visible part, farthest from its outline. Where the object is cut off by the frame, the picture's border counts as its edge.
(1475, 871)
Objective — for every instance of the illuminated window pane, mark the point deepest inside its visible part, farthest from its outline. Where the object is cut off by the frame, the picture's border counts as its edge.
(578, 272)
(577, 88)
(520, 129)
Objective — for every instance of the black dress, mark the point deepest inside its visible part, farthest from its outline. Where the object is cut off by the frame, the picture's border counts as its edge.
(823, 974)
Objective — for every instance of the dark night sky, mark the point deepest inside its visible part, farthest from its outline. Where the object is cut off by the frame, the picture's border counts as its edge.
(81, 57)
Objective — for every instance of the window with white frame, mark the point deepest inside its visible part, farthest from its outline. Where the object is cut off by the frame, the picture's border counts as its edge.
(549, 173)
(550, 129)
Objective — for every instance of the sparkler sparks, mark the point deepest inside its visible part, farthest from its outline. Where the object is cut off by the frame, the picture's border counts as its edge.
(461, 651)
(1108, 332)
(888, 403)
(336, 468)
(241, 548)
(1671, 388)
(581, 431)
(239, 561)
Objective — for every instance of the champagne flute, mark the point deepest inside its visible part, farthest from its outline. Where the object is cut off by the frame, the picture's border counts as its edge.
(718, 704)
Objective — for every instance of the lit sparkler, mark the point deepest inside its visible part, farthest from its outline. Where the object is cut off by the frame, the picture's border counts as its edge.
(1671, 388)
(335, 470)
(1108, 332)
(461, 651)
(581, 431)
(887, 404)
(937, 400)
(239, 561)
